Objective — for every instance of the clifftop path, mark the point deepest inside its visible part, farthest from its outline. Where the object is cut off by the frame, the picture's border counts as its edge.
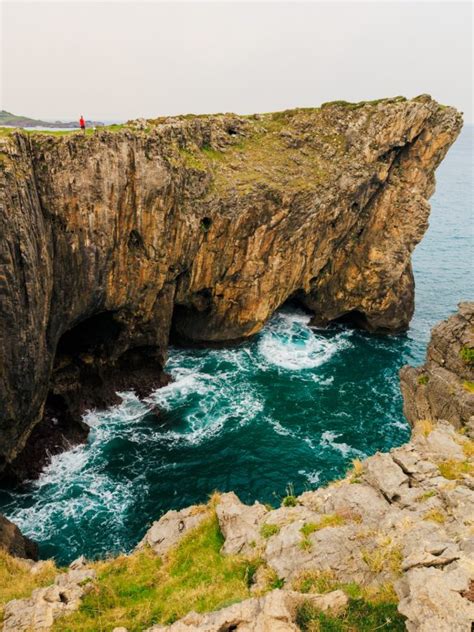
(201, 226)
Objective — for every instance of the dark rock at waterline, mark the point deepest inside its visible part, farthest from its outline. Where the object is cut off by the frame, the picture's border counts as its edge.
(202, 226)
(14, 542)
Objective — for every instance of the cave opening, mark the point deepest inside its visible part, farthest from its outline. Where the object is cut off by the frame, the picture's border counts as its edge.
(354, 319)
(93, 335)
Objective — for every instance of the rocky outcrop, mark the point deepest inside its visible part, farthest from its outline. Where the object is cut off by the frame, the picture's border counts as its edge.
(443, 388)
(45, 605)
(274, 612)
(14, 542)
(202, 227)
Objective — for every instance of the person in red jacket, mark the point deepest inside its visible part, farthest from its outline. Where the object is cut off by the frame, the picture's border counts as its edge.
(82, 123)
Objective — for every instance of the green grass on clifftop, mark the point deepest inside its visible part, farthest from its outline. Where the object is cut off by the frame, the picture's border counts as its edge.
(140, 590)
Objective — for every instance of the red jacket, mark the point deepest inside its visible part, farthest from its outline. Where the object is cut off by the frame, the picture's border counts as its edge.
(82, 122)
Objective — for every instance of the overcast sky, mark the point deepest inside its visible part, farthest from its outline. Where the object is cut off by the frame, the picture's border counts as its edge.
(128, 59)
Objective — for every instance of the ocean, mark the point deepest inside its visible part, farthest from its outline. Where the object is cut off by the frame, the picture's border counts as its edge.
(285, 412)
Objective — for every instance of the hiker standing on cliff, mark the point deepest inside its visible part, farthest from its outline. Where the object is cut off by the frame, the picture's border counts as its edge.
(82, 123)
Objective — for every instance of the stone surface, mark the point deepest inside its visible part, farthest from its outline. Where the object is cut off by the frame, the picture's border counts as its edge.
(240, 524)
(443, 388)
(169, 530)
(45, 605)
(431, 599)
(274, 612)
(201, 226)
(14, 542)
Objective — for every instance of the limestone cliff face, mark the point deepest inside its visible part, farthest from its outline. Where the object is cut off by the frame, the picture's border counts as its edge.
(199, 226)
(443, 388)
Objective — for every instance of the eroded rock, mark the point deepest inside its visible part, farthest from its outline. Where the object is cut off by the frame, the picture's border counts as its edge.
(171, 528)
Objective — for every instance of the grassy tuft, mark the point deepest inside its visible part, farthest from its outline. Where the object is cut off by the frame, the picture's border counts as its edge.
(424, 427)
(140, 590)
(426, 495)
(467, 355)
(454, 470)
(360, 616)
(423, 379)
(468, 386)
(435, 516)
(384, 556)
(267, 530)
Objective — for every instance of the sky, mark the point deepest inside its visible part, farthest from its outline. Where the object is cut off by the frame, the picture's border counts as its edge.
(122, 60)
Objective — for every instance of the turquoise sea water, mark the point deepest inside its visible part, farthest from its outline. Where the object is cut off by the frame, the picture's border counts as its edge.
(291, 408)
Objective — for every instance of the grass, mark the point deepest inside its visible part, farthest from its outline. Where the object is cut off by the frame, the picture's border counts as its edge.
(330, 520)
(359, 616)
(357, 470)
(17, 581)
(423, 379)
(429, 494)
(435, 516)
(384, 556)
(267, 530)
(424, 427)
(140, 590)
(454, 470)
(467, 355)
(468, 386)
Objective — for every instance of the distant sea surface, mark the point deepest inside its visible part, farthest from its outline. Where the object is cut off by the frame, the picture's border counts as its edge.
(287, 411)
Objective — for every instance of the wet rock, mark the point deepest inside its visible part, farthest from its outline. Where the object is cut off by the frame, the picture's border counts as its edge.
(14, 542)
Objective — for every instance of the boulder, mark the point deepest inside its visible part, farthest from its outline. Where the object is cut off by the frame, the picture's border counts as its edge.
(171, 528)
(240, 524)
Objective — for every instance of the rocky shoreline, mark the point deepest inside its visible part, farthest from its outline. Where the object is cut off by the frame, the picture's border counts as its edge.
(199, 228)
(400, 521)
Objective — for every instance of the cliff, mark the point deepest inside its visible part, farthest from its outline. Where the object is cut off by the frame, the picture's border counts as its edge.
(389, 546)
(443, 388)
(197, 227)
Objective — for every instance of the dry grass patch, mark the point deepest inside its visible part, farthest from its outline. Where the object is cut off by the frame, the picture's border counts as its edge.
(17, 581)
(455, 470)
(385, 556)
(424, 427)
(435, 516)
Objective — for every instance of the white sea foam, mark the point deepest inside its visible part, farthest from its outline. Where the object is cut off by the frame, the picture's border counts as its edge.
(289, 343)
(328, 440)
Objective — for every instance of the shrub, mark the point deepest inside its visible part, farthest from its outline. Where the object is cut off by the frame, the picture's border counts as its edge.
(423, 379)
(467, 355)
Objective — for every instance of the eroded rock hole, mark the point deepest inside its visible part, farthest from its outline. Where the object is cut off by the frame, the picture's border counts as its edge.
(232, 131)
(354, 319)
(206, 223)
(135, 241)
